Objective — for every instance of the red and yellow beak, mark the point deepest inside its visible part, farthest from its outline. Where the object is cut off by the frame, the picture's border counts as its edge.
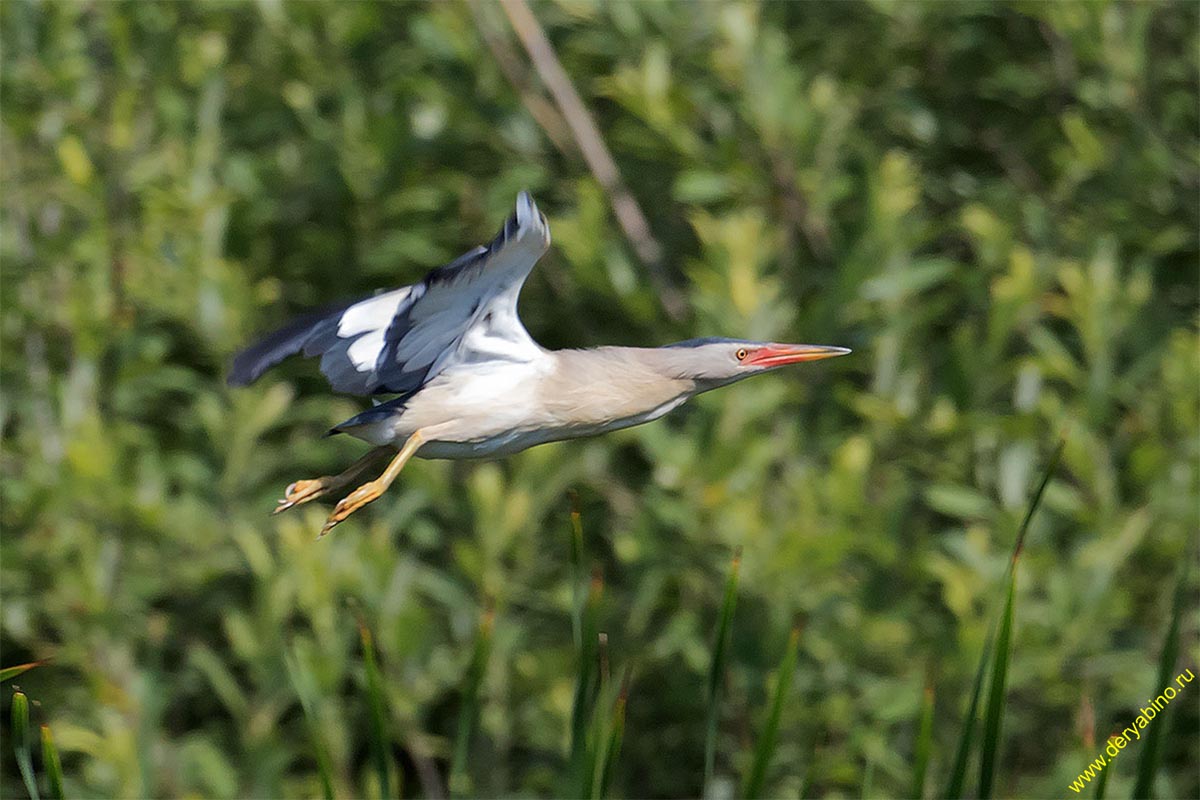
(778, 355)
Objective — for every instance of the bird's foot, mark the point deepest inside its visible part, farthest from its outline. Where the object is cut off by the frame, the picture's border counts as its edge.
(367, 493)
(302, 492)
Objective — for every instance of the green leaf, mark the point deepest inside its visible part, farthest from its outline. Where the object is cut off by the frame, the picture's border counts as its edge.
(899, 284)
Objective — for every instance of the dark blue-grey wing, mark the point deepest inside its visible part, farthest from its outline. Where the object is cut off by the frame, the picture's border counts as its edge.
(466, 310)
(249, 365)
(395, 341)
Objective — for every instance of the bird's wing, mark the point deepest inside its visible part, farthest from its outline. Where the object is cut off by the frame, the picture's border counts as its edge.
(394, 342)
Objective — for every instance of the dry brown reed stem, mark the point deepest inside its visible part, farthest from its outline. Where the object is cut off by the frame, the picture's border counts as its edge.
(591, 145)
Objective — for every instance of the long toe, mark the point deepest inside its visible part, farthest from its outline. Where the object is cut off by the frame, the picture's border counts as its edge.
(302, 492)
(352, 502)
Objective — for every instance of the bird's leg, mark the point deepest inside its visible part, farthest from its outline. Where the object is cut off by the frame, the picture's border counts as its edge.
(372, 490)
(306, 490)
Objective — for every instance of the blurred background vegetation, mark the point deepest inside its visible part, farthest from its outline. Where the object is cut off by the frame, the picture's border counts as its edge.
(996, 206)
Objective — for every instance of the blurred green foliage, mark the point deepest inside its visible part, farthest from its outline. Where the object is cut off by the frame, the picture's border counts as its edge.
(996, 206)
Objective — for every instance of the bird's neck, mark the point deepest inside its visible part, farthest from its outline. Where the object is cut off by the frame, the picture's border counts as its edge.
(612, 386)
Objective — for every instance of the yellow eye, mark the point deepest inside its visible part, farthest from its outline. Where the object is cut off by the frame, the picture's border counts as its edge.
(741, 354)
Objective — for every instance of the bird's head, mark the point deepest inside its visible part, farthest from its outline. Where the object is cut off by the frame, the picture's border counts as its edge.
(717, 362)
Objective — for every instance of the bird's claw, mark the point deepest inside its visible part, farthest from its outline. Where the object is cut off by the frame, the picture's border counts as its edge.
(301, 492)
(352, 502)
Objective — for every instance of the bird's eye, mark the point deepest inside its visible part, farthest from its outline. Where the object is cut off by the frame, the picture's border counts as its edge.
(741, 354)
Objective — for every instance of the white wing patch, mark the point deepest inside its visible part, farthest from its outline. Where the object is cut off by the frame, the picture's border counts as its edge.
(371, 315)
(364, 351)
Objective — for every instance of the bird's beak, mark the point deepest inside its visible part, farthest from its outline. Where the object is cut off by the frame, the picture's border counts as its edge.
(778, 355)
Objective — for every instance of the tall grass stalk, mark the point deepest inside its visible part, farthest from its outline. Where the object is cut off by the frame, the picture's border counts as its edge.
(52, 764)
(607, 731)
(615, 738)
(962, 755)
(994, 714)
(810, 773)
(765, 747)
(20, 734)
(460, 780)
(994, 719)
(868, 784)
(1148, 759)
(1102, 781)
(302, 684)
(924, 743)
(716, 671)
(963, 752)
(8, 673)
(587, 684)
(578, 588)
(378, 738)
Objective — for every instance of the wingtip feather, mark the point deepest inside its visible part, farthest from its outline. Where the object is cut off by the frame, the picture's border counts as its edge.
(526, 209)
(529, 218)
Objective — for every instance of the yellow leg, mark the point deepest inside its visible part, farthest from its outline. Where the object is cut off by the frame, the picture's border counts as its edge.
(303, 491)
(372, 490)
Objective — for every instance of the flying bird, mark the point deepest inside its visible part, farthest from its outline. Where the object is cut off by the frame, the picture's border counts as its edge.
(469, 381)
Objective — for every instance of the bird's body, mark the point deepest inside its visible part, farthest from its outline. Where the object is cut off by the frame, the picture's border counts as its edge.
(496, 409)
(468, 380)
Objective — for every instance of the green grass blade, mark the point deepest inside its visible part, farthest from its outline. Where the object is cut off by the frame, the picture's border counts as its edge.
(8, 673)
(868, 785)
(460, 780)
(994, 714)
(377, 729)
(924, 742)
(20, 733)
(303, 685)
(597, 759)
(587, 685)
(810, 774)
(958, 774)
(1036, 501)
(1102, 781)
(766, 740)
(52, 764)
(716, 671)
(1148, 759)
(615, 738)
(578, 591)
